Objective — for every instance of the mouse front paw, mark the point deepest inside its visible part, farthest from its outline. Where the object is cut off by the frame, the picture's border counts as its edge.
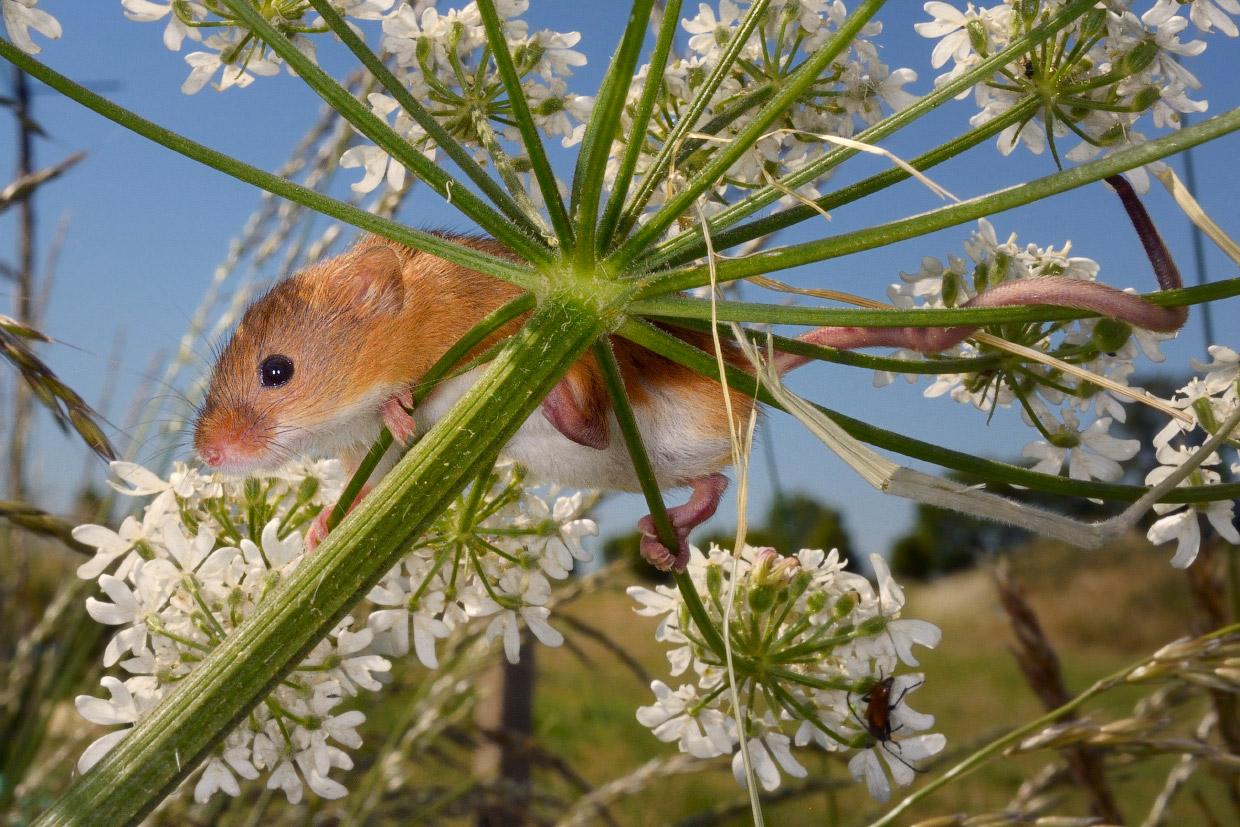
(317, 532)
(397, 418)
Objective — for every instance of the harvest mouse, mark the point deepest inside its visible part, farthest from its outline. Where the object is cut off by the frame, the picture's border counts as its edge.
(323, 360)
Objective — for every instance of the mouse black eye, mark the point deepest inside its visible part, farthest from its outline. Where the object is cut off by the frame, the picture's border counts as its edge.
(275, 371)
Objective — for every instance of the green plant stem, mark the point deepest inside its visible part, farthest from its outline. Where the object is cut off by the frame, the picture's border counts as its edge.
(847, 243)
(437, 245)
(872, 135)
(688, 307)
(421, 115)
(589, 176)
(540, 166)
(689, 246)
(667, 345)
(378, 130)
(166, 745)
(796, 84)
(658, 168)
(650, 488)
(977, 759)
(636, 138)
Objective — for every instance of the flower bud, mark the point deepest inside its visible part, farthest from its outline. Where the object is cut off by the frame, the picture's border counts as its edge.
(773, 569)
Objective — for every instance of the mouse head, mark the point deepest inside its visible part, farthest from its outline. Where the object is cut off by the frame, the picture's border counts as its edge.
(308, 366)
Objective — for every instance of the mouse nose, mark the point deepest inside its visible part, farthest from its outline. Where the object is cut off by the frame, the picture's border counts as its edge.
(211, 455)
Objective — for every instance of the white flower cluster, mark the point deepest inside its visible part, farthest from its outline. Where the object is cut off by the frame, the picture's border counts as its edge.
(444, 58)
(1104, 347)
(229, 48)
(851, 93)
(206, 552)
(814, 649)
(1210, 400)
(487, 555)
(1096, 77)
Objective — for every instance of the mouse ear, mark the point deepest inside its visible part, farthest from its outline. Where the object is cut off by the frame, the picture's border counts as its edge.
(375, 278)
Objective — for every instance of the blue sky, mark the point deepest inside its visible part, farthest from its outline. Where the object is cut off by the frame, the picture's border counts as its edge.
(147, 228)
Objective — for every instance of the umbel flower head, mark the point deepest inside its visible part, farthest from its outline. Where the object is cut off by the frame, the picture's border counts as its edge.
(206, 552)
(815, 649)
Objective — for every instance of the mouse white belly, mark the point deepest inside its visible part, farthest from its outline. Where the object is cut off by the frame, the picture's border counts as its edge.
(678, 451)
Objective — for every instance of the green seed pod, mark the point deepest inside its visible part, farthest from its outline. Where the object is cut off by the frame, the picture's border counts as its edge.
(978, 37)
(1110, 335)
(1028, 10)
(1112, 136)
(1146, 98)
(816, 602)
(799, 584)
(252, 490)
(952, 288)
(714, 581)
(874, 625)
(308, 488)
(981, 278)
(1139, 57)
(845, 604)
(761, 599)
(1092, 23)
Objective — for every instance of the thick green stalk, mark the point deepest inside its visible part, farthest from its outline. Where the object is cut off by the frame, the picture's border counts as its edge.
(378, 130)
(678, 351)
(797, 83)
(500, 268)
(636, 138)
(601, 131)
(530, 138)
(442, 138)
(970, 210)
(165, 746)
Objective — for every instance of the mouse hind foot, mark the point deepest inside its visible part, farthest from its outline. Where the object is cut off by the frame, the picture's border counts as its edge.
(707, 491)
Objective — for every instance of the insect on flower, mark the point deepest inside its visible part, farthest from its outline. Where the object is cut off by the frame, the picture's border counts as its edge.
(877, 719)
